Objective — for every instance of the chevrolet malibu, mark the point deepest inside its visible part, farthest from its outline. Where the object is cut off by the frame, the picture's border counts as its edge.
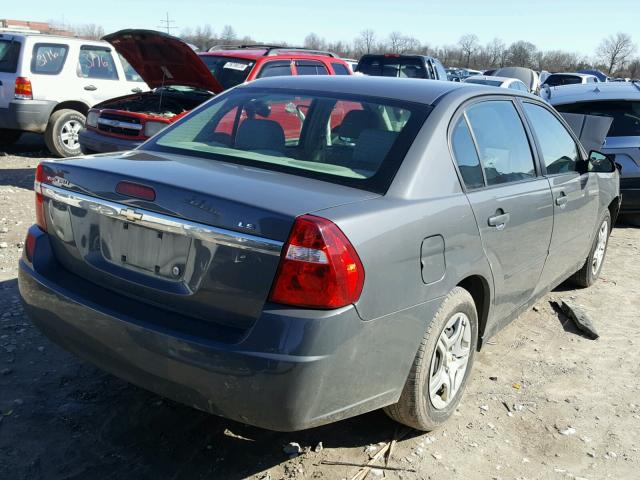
(288, 278)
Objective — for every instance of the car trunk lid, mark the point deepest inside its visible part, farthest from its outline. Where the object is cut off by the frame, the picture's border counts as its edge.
(162, 60)
(207, 246)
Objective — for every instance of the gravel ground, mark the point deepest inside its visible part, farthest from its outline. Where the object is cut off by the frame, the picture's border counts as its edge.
(543, 403)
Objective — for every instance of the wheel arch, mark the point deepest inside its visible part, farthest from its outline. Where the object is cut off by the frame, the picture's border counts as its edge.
(614, 210)
(480, 291)
(76, 105)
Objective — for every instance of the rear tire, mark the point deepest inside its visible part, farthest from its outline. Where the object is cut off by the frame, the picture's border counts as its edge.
(9, 137)
(436, 382)
(61, 135)
(590, 271)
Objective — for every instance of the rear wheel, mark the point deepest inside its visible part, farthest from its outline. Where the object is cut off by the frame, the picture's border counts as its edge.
(61, 135)
(9, 137)
(442, 365)
(590, 271)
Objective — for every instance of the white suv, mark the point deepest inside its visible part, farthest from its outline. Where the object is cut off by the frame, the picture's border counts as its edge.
(48, 83)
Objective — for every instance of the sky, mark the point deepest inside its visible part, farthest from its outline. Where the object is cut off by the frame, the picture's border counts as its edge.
(571, 25)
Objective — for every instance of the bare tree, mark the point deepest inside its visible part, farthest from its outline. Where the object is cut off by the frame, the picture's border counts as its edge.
(495, 53)
(90, 31)
(522, 54)
(634, 68)
(615, 50)
(468, 45)
(314, 42)
(228, 35)
(396, 42)
(367, 40)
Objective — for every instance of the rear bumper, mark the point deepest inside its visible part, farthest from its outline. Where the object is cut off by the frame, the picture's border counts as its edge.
(94, 141)
(27, 115)
(294, 369)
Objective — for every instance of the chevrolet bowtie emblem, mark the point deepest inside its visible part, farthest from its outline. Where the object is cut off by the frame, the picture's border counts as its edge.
(130, 215)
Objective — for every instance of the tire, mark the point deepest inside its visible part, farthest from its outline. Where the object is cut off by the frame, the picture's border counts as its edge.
(416, 408)
(589, 273)
(61, 135)
(9, 137)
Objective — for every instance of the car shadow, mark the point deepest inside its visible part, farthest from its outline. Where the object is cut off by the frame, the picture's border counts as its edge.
(29, 145)
(75, 421)
(17, 177)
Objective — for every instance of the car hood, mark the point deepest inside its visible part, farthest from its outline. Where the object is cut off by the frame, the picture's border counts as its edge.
(526, 75)
(162, 59)
(592, 130)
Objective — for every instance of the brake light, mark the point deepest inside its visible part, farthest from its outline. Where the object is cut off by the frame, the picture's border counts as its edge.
(30, 245)
(136, 190)
(22, 90)
(319, 267)
(41, 178)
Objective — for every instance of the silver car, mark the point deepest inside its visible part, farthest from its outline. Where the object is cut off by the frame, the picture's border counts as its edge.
(297, 251)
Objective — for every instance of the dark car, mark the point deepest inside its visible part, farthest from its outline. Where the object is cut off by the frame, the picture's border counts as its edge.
(402, 66)
(291, 279)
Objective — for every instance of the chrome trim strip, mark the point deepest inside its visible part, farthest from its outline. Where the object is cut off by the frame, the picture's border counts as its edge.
(117, 123)
(164, 223)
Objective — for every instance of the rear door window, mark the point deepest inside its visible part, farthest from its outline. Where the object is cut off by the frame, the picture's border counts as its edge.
(96, 62)
(9, 53)
(466, 155)
(559, 150)
(48, 58)
(625, 114)
(502, 142)
(276, 68)
(311, 67)
(340, 69)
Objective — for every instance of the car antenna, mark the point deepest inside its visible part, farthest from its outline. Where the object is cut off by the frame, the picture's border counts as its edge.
(164, 74)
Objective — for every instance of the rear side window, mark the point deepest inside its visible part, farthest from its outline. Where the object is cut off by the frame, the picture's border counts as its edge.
(557, 80)
(625, 114)
(310, 67)
(351, 140)
(559, 151)
(96, 62)
(442, 73)
(502, 142)
(466, 155)
(9, 53)
(340, 69)
(48, 58)
(276, 68)
(129, 72)
(403, 67)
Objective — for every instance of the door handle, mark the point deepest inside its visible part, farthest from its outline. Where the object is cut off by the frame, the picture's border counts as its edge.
(136, 90)
(499, 220)
(562, 200)
(91, 88)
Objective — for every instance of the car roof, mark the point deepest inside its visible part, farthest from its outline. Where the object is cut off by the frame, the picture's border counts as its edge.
(594, 92)
(255, 53)
(416, 90)
(573, 74)
(46, 37)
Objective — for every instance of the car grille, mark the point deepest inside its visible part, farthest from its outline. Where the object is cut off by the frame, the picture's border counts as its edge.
(122, 124)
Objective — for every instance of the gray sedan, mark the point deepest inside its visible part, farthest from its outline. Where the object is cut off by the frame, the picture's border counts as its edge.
(301, 250)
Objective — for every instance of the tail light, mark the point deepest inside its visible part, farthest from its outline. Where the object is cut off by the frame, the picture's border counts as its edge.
(30, 245)
(319, 267)
(23, 89)
(41, 178)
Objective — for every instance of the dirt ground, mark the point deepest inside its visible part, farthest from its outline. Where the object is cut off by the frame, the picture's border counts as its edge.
(543, 403)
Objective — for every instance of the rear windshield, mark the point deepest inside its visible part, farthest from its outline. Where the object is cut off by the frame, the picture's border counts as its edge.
(557, 80)
(625, 114)
(351, 140)
(491, 83)
(404, 67)
(228, 71)
(9, 52)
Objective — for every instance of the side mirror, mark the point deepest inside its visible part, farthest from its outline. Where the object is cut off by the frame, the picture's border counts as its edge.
(600, 163)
